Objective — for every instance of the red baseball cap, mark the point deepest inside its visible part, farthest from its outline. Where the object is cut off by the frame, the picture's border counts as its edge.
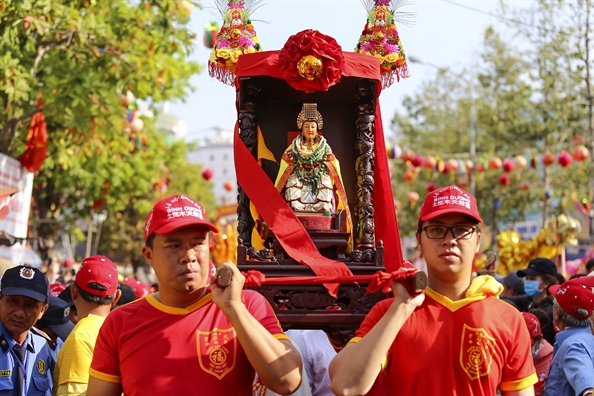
(575, 293)
(446, 200)
(69, 262)
(175, 212)
(101, 270)
(532, 323)
(141, 289)
(56, 288)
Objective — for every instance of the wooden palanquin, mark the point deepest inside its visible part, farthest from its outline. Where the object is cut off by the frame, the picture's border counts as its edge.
(350, 111)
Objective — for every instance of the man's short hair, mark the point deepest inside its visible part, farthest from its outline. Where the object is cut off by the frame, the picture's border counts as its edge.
(590, 265)
(572, 321)
(92, 298)
(127, 295)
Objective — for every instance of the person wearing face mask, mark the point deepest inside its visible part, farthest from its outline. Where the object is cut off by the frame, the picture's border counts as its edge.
(542, 351)
(540, 274)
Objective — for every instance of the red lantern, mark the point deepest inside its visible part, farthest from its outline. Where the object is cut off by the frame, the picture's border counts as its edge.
(454, 164)
(520, 162)
(463, 182)
(447, 167)
(407, 155)
(578, 139)
(504, 180)
(409, 175)
(207, 174)
(524, 186)
(229, 186)
(431, 186)
(412, 197)
(495, 163)
(508, 165)
(548, 159)
(429, 162)
(417, 160)
(564, 159)
(480, 167)
(581, 153)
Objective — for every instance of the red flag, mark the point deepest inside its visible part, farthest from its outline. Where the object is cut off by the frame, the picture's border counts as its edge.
(36, 146)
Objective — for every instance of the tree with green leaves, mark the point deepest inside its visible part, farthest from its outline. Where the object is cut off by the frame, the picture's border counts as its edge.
(528, 100)
(84, 56)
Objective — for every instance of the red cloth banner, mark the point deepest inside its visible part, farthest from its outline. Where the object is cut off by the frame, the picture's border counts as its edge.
(36, 146)
(386, 224)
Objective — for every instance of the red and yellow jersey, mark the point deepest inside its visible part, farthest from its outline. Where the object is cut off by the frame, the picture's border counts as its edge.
(469, 347)
(151, 348)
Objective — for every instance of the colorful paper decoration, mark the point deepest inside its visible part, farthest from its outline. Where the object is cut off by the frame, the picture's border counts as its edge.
(236, 37)
(381, 39)
(311, 61)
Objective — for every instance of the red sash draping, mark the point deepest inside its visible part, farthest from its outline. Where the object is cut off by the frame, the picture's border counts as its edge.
(280, 218)
(378, 281)
(386, 225)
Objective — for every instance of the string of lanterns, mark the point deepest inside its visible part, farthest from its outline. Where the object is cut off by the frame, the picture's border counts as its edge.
(416, 161)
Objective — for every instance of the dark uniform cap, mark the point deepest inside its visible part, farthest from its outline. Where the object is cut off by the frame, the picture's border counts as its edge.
(513, 281)
(57, 317)
(66, 295)
(539, 266)
(25, 281)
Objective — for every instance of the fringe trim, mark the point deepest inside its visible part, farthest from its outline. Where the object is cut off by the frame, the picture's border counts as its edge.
(225, 76)
(388, 78)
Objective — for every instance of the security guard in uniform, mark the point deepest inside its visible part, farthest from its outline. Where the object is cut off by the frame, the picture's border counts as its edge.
(25, 358)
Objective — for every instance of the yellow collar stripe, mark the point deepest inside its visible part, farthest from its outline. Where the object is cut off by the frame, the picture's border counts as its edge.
(175, 310)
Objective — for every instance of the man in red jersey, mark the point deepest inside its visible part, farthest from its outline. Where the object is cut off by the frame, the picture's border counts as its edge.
(456, 339)
(190, 337)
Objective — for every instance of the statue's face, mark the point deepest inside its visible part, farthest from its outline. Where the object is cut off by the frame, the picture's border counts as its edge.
(309, 130)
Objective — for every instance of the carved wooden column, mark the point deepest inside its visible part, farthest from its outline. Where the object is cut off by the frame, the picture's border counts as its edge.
(248, 126)
(364, 167)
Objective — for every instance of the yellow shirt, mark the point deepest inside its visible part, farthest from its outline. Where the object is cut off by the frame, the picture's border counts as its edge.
(74, 359)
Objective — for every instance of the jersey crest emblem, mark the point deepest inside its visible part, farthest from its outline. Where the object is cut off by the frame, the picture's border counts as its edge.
(40, 366)
(476, 352)
(217, 350)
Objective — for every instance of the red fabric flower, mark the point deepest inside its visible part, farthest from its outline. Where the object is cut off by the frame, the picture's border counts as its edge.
(311, 42)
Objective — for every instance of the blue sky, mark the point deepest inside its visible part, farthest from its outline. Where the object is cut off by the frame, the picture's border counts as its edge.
(443, 34)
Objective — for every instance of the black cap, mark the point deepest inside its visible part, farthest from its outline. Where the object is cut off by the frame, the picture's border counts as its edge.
(539, 266)
(57, 317)
(514, 282)
(25, 281)
(66, 295)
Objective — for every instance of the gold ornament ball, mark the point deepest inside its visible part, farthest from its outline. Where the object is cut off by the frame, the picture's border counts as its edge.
(309, 67)
(235, 34)
(378, 37)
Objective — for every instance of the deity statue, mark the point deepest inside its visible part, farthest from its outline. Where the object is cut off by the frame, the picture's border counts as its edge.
(309, 175)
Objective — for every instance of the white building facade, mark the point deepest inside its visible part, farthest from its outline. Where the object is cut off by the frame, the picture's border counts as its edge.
(216, 153)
